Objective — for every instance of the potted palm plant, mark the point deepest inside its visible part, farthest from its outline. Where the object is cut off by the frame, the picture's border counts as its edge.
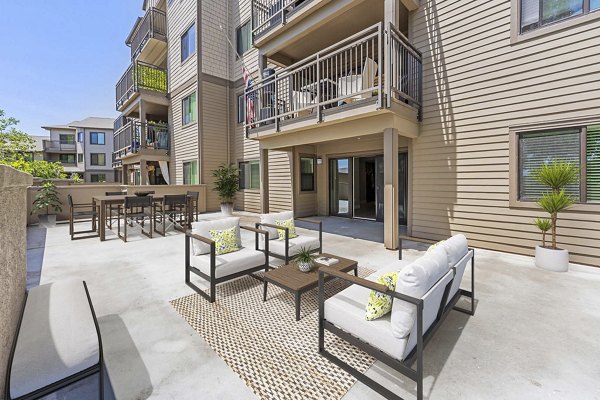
(226, 185)
(304, 260)
(555, 176)
(45, 199)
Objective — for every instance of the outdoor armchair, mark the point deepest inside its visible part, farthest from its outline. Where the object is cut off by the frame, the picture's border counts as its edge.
(111, 208)
(172, 209)
(136, 210)
(79, 211)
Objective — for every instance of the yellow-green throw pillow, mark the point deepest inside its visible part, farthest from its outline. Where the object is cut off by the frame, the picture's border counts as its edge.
(225, 240)
(286, 223)
(379, 303)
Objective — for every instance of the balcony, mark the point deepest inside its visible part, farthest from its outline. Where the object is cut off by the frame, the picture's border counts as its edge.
(135, 138)
(59, 146)
(269, 14)
(141, 78)
(149, 37)
(370, 73)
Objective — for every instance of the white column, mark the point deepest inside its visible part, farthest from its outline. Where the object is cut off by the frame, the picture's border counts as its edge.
(390, 180)
(391, 12)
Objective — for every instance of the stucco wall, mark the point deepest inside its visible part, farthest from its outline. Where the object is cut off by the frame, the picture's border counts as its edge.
(13, 257)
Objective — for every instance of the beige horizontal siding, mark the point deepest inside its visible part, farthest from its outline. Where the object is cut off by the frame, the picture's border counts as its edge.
(184, 141)
(280, 180)
(180, 16)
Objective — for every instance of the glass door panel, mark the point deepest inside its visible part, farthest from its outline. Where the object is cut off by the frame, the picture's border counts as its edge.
(340, 187)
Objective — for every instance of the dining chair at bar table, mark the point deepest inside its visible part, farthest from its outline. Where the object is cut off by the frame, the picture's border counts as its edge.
(82, 210)
(111, 208)
(193, 198)
(171, 210)
(135, 210)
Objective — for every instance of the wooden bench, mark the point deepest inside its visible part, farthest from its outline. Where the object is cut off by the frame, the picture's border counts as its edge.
(57, 342)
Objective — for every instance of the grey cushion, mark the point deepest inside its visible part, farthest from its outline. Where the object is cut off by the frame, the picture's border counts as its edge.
(306, 241)
(57, 338)
(230, 263)
(203, 228)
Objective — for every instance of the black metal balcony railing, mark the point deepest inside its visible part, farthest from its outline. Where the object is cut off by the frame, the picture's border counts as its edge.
(57, 145)
(153, 25)
(359, 68)
(134, 136)
(140, 76)
(267, 14)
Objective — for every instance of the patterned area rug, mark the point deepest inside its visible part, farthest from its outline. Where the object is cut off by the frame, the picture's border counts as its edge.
(275, 355)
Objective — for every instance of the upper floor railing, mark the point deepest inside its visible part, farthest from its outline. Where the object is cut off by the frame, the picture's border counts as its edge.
(58, 145)
(364, 67)
(267, 14)
(152, 25)
(134, 136)
(140, 76)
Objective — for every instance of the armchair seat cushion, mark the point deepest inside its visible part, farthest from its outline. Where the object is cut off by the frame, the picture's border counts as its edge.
(300, 241)
(230, 263)
(346, 310)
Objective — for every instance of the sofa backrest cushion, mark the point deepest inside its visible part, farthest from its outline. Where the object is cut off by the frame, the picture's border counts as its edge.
(271, 218)
(415, 280)
(203, 228)
(456, 247)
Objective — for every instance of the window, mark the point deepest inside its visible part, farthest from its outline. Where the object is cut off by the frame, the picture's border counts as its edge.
(190, 173)
(79, 158)
(243, 37)
(98, 178)
(97, 138)
(241, 109)
(578, 145)
(249, 175)
(97, 159)
(307, 174)
(538, 13)
(188, 43)
(67, 139)
(189, 109)
(66, 158)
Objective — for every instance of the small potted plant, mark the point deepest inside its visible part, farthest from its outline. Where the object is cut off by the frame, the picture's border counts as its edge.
(45, 199)
(304, 260)
(555, 176)
(226, 184)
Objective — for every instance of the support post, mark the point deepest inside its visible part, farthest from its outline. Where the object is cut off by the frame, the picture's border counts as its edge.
(143, 173)
(390, 178)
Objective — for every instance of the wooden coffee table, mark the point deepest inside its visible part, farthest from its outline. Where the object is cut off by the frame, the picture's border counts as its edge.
(290, 278)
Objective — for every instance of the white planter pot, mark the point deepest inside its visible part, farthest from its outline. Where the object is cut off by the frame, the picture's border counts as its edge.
(552, 260)
(227, 209)
(305, 266)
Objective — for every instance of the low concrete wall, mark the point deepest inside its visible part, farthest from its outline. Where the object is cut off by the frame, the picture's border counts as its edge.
(13, 257)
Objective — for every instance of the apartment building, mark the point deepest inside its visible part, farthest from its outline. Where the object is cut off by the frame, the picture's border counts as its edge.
(83, 147)
(427, 115)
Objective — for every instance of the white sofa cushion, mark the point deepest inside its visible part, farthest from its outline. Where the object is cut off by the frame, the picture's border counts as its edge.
(203, 228)
(300, 241)
(456, 248)
(229, 263)
(346, 310)
(271, 218)
(415, 280)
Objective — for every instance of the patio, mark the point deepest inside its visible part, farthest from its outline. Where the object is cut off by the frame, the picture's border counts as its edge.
(533, 334)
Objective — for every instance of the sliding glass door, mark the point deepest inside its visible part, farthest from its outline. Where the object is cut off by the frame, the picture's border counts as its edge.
(340, 187)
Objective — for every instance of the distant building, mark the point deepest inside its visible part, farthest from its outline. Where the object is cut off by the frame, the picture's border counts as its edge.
(83, 147)
(38, 151)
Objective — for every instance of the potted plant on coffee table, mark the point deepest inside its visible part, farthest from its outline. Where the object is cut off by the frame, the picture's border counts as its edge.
(556, 177)
(226, 185)
(304, 259)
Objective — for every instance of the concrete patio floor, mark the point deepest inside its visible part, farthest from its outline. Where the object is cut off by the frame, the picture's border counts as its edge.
(534, 335)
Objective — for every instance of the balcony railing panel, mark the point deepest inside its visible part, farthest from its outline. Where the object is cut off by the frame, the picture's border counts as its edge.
(267, 14)
(57, 145)
(140, 76)
(350, 71)
(135, 135)
(153, 25)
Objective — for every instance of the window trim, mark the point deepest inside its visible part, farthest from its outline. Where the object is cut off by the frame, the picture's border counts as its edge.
(183, 162)
(97, 133)
(184, 124)
(181, 59)
(67, 162)
(241, 95)
(513, 151)
(92, 159)
(239, 28)
(249, 162)
(72, 135)
(314, 158)
(98, 175)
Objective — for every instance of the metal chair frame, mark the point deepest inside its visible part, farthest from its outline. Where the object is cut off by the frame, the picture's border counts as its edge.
(134, 211)
(173, 209)
(73, 213)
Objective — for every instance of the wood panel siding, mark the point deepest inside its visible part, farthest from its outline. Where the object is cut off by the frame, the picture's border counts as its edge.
(180, 16)
(305, 203)
(476, 85)
(184, 143)
(280, 180)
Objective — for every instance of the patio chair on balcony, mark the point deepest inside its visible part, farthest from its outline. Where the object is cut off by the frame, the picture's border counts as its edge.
(214, 251)
(194, 198)
(135, 210)
(173, 211)
(348, 86)
(300, 100)
(283, 241)
(85, 211)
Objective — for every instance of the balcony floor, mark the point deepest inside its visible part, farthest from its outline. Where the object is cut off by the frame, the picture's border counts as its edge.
(533, 335)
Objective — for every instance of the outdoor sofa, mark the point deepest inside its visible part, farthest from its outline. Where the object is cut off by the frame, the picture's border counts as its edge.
(426, 291)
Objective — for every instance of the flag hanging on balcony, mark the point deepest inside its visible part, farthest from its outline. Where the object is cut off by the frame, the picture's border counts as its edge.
(250, 97)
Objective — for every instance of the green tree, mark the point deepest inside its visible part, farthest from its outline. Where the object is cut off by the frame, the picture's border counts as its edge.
(14, 144)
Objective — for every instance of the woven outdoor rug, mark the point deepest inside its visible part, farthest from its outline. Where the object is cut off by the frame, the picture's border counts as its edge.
(275, 355)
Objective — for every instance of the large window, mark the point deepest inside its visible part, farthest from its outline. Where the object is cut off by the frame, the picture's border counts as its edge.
(97, 159)
(249, 175)
(189, 109)
(98, 178)
(190, 172)
(67, 139)
(307, 174)
(97, 138)
(578, 145)
(538, 13)
(241, 108)
(66, 158)
(80, 158)
(243, 37)
(188, 43)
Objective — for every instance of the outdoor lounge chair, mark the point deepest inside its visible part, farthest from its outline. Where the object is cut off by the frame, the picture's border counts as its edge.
(172, 209)
(82, 210)
(201, 256)
(289, 247)
(351, 87)
(426, 291)
(135, 210)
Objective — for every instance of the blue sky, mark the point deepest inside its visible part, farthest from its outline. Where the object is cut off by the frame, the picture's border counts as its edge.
(60, 59)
